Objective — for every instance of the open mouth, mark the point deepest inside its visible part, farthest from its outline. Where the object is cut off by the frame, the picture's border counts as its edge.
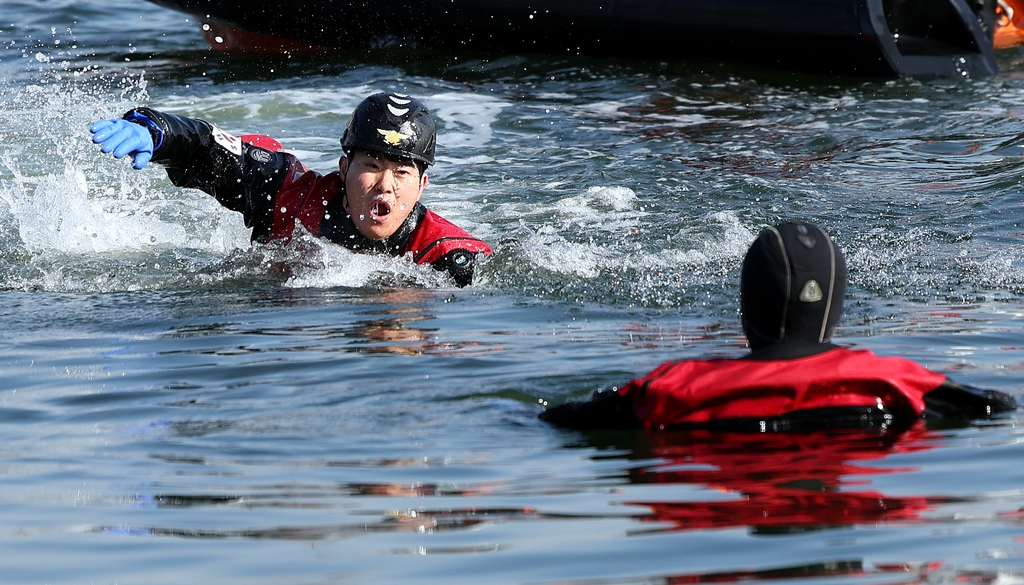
(380, 211)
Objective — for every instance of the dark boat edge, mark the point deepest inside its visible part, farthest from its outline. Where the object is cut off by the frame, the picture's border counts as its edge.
(868, 38)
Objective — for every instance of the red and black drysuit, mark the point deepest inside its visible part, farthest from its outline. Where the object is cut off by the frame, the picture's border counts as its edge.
(274, 191)
(836, 388)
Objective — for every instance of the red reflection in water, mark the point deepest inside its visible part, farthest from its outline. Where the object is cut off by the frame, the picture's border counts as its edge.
(917, 573)
(782, 482)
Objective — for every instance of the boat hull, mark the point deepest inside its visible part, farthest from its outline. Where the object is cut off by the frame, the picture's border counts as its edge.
(859, 37)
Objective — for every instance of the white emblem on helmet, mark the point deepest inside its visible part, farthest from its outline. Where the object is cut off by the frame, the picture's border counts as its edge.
(398, 111)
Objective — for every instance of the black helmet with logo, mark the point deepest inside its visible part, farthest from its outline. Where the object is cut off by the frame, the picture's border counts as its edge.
(394, 124)
(792, 286)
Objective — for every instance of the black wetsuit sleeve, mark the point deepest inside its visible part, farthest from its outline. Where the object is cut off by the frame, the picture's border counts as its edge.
(245, 178)
(952, 400)
(605, 410)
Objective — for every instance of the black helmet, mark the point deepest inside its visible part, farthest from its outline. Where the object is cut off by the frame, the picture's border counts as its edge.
(394, 124)
(792, 286)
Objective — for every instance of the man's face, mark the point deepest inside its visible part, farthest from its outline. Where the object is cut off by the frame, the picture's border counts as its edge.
(381, 193)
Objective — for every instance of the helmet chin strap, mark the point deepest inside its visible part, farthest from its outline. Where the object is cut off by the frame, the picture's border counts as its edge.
(344, 183)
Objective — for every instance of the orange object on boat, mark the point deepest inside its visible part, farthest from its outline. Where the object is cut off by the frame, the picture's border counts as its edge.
(1009, 24)
(225, 37)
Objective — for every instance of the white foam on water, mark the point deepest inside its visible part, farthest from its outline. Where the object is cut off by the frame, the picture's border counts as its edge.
(554, 96)
(729, 241)
(320, 264)
(65, 212)
(552, 252)
(55, 213)
(999, 267)
(467, 118)
(1006, 578)
(61, 197)
(478, 159)
(606, 230)
(463, 212)
(817, 125)
(604, 109)
(624, 110)
(597, 210)
(279, 105)
(598, 200)
(885, 260)
(679, 120)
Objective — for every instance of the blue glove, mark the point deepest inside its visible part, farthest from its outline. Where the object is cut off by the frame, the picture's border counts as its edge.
(123, 138)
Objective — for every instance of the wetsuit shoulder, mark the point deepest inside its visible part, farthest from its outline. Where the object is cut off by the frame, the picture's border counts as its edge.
(446, 247)
(435, 237)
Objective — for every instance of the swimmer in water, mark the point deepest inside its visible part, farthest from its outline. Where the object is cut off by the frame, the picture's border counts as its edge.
(791, 297)
(371, 203)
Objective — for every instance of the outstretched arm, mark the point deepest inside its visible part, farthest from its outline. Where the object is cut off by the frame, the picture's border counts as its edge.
(243, 177)
(952, 400)
(604, 410)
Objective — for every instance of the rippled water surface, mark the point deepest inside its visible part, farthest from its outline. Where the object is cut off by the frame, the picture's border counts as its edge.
(177, 406)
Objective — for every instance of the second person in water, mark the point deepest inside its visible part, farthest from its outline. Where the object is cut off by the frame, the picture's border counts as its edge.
(371, 203)
(791, 296)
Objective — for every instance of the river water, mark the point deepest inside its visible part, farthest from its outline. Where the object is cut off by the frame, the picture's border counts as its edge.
(177, 406)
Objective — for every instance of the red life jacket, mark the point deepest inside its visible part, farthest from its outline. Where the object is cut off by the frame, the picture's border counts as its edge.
(306, 195)
(695, 391)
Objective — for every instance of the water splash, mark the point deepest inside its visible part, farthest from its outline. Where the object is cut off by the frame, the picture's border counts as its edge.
(72, 216)
(314, 263)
